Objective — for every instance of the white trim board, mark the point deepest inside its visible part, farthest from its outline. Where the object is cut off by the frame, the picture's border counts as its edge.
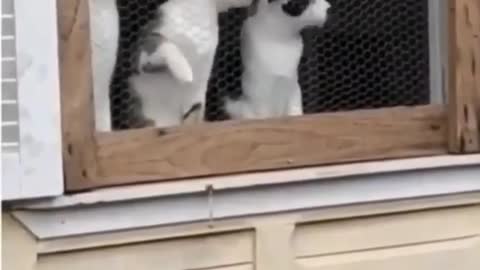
(40, 169)
(171, 210)
(39, 98)
(11, 170)
(155, 190)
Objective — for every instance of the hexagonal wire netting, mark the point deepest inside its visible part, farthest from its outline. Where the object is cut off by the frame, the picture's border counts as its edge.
(371, 54)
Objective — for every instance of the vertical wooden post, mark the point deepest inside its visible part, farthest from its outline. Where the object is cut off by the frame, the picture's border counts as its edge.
(79, 145)
(464, 88)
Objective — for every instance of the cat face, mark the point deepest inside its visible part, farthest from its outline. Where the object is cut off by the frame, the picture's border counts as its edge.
(304, 12)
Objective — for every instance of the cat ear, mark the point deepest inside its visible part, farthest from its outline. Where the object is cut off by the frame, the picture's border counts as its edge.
(176, 62)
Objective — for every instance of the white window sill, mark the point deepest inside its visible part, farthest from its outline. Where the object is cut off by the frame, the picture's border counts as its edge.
(187, 202)
(161, 189)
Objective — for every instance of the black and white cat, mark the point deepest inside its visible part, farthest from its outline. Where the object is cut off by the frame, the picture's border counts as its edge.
(271, 50)
(175, 60)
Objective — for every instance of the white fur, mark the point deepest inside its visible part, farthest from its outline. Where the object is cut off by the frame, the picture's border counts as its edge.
(174, 59)
(271, 52)
(104, 25)
(191, 30)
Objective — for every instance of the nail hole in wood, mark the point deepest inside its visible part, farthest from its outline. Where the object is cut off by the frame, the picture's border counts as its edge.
(466, 114)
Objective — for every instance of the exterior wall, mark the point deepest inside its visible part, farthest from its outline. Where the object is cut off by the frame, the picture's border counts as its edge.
(447, 238)
(31, 150)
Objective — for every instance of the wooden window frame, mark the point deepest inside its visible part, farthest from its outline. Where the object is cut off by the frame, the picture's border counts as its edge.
(94, 159)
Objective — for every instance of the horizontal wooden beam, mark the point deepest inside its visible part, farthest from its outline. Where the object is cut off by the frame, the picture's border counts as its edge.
(239, 147)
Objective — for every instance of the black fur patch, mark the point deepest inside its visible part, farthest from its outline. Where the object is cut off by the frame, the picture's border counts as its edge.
(148, 42)
(151, 68)
(252, 10)
(295, 8)
(151, 42)
(254, 6)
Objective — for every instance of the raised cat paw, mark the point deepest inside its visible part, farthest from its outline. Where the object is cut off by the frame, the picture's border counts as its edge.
(165, 56)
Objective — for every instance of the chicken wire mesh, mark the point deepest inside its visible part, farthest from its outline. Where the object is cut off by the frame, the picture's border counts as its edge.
(370, 54)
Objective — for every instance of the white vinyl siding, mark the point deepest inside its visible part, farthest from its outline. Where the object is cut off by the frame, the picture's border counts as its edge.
(10, 130)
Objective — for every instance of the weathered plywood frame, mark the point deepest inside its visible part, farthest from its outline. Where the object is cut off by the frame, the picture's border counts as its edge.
(464, 90)
(127, 157)
(79, 142)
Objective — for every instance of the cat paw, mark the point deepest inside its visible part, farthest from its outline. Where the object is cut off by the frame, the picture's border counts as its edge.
(167, 58)
(177, 62)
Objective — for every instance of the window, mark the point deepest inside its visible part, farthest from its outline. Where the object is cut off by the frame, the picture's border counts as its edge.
(374, 84)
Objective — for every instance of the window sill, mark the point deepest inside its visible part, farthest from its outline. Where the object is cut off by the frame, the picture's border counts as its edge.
(250, 180)
(357, 196)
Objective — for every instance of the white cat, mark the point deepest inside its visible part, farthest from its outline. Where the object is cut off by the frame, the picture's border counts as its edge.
(175, 60)
(104, 29)
(271, 50)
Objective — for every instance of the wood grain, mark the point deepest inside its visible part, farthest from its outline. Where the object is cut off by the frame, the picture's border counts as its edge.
(239, 147)
(79, 149)
(464, 93)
